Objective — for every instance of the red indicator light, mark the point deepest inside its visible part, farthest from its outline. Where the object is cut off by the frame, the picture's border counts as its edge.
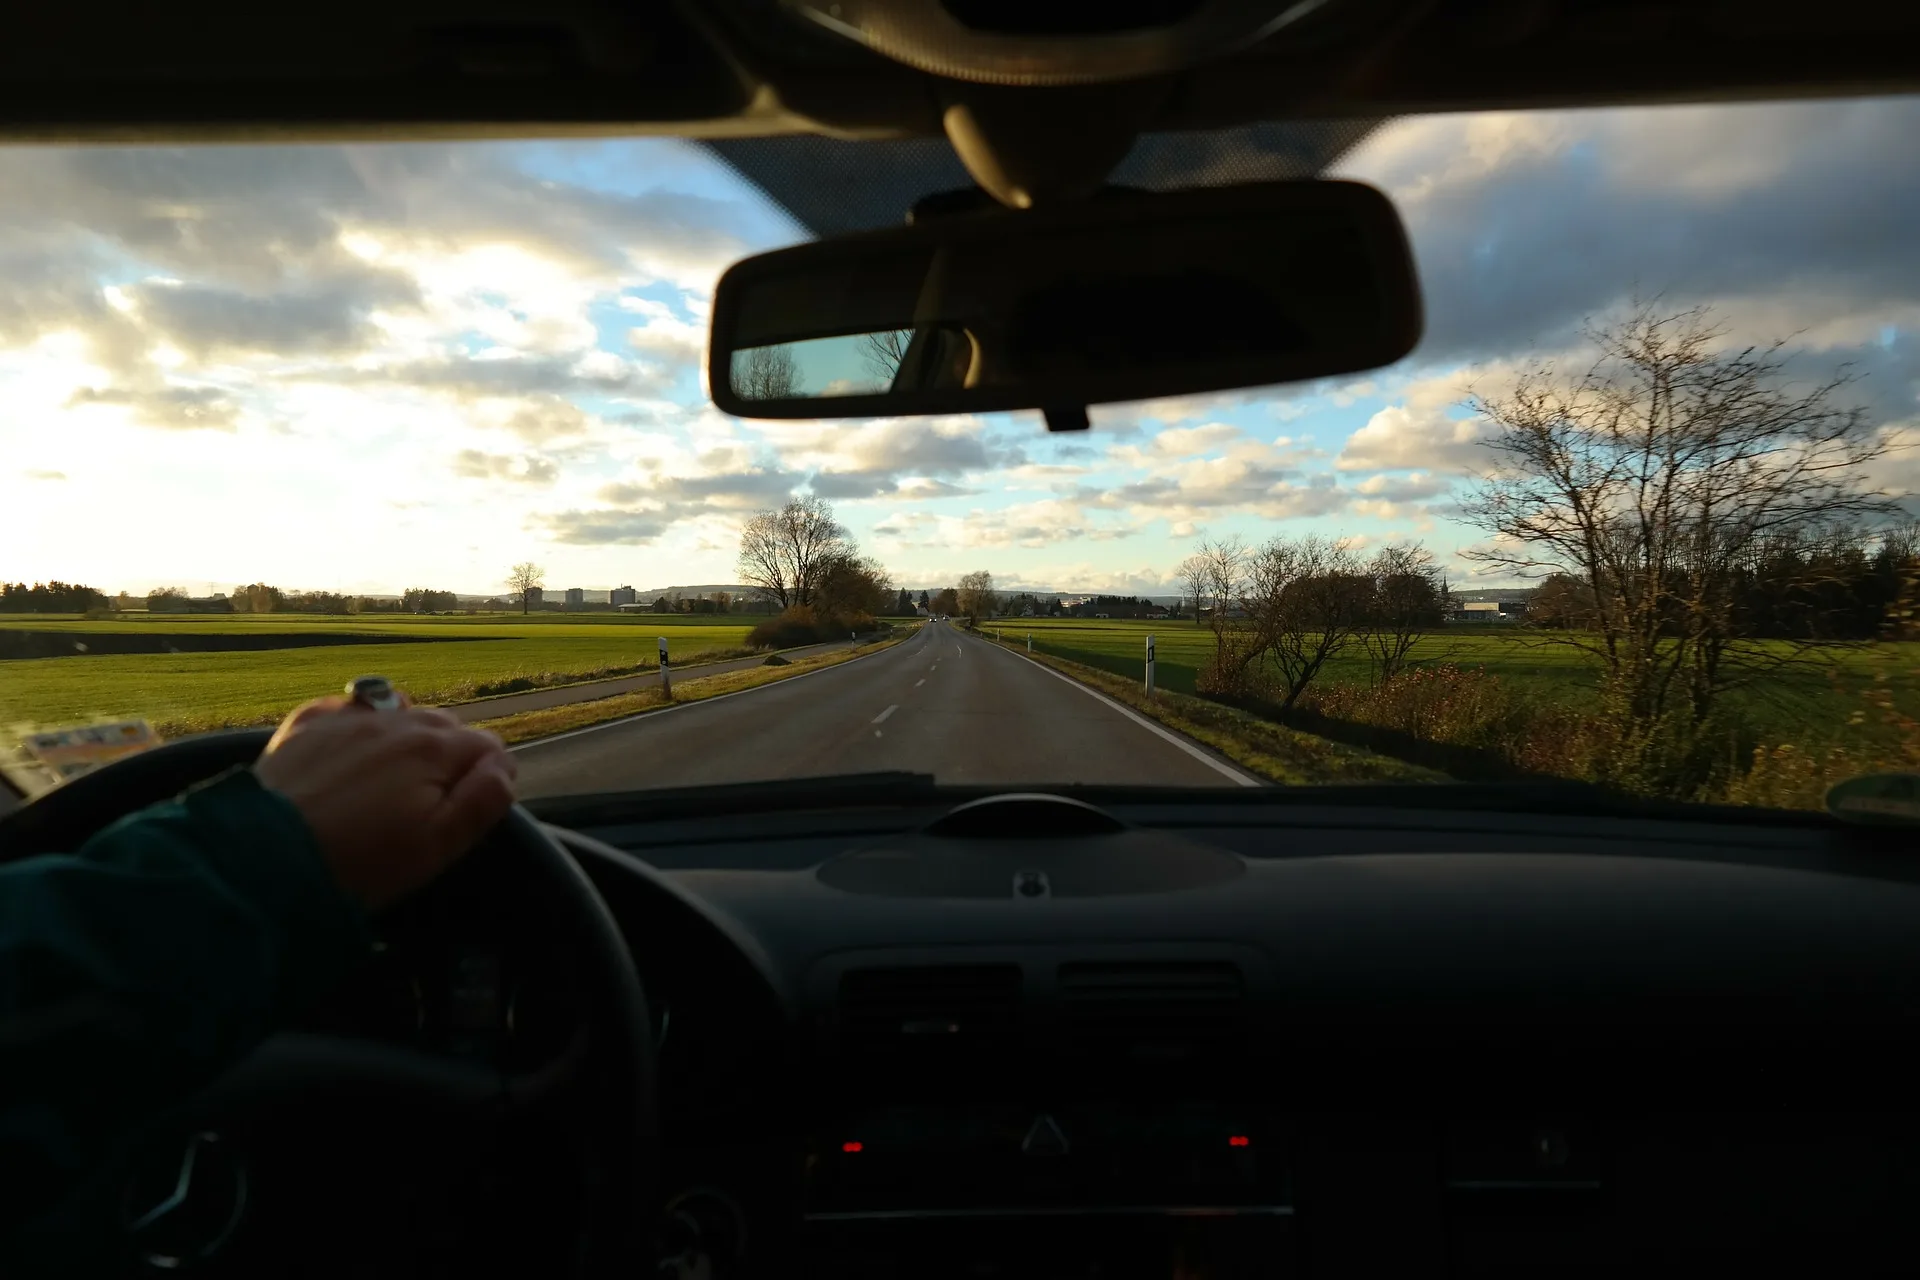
(1239, 1140)
(852, 1148)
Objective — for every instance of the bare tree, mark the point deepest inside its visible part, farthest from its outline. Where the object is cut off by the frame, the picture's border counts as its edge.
(782, 551)
(1406, 600)
(523, 580)
(975, 595)
(1222, 575)
(1306, 599)
(1649, 478)
(883, 352)
(1195, 574)
(765, 373)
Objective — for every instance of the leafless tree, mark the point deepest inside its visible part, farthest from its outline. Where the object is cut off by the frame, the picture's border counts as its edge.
(523, 580)
(883, 352)
(1195, 575)
(976, 594)
(765, 373)
(1221, 575)
(1306, 599)
(1406, 600)
(1650, 477)
(782, 551)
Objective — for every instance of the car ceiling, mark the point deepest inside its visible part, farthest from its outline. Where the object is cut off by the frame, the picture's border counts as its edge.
(750, 68)
(845, 138)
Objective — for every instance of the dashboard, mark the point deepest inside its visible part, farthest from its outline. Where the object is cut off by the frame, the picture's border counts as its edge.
(1165, 1037)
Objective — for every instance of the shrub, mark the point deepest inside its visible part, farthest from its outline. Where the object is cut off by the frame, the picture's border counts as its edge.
(792, 626)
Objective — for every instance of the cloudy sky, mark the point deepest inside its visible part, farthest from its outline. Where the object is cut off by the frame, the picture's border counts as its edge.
(362, 368)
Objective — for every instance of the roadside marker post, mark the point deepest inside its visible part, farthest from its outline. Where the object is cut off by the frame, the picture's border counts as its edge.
(1149, 666)
(666, 680)
(1029, 642)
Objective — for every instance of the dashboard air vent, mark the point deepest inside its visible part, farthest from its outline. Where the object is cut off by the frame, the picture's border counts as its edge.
(1152, 1012)
(931, 1008)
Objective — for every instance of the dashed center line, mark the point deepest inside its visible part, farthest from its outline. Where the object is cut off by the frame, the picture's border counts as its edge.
(917, 683)
(884, 714)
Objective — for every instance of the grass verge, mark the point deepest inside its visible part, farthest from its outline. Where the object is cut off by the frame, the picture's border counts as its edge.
(529, 725)
(1269, 750)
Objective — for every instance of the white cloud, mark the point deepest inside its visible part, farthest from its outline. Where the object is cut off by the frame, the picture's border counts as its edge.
(525, 468)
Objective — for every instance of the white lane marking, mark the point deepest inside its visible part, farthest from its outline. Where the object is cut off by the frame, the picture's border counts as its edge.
(1196, 752)
(957, 653)
(876, 733)
(688, 706)
(884, 714)
(917, 683)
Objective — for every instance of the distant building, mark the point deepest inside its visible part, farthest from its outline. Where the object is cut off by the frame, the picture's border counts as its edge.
(575, 597)
(621, 595)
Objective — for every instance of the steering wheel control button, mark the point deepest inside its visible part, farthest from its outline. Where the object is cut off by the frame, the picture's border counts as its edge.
(185, 1201)
(376, 693)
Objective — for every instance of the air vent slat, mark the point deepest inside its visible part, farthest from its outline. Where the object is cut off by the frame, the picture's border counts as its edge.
(1151, 1011)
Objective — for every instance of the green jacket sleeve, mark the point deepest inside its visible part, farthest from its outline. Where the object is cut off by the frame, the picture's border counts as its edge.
(132, 972)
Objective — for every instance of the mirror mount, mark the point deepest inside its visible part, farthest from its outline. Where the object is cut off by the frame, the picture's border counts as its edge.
(1029, 148)
(1066, 417)
(969, 200)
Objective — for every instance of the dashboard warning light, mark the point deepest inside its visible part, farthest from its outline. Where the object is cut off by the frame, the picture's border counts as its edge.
(852, 1148)
(1239, 1140)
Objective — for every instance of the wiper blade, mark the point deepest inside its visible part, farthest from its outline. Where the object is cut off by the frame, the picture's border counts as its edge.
(839, 791)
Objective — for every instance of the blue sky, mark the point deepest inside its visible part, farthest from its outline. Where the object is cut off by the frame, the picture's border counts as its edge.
(363, 368)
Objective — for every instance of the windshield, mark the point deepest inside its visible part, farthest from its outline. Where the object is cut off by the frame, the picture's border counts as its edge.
(1637, 511)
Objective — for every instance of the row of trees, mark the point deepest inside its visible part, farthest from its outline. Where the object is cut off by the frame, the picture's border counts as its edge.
(1281, 611)
(1822, 586)
(1697, 519)
(50, 597)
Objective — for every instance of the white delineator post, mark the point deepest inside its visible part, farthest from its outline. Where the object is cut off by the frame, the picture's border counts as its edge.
(666, 680)
(1149, 666)
(1029, 642)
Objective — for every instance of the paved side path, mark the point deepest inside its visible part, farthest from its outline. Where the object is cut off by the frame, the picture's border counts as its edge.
(594, 690)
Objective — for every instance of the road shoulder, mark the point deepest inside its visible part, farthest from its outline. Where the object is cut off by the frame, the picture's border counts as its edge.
(1272, 752)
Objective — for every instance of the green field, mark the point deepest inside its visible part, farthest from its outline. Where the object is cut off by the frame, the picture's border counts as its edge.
(1808, 705)
(182, 692)
(376, 624)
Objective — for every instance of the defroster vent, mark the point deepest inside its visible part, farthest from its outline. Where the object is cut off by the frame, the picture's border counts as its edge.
(1149, 1012)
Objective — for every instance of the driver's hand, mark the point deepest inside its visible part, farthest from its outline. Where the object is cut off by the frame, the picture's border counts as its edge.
(393, 797)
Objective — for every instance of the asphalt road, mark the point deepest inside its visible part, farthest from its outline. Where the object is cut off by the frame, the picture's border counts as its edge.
(943, 702)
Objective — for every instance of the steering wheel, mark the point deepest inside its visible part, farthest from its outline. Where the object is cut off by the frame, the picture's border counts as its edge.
(607, 1072)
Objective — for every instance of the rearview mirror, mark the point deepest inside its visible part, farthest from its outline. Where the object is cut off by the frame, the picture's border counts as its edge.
(1128, 298)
